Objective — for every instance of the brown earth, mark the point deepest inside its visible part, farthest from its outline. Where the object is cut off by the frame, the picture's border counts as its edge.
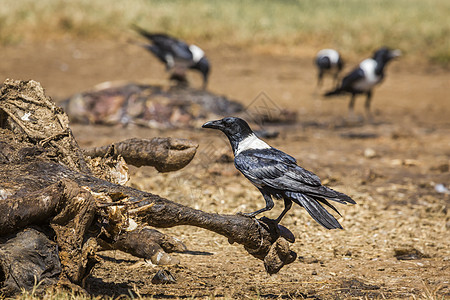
(396, 242)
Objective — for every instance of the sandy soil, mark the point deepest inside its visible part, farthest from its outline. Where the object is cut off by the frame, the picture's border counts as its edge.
(390, 168)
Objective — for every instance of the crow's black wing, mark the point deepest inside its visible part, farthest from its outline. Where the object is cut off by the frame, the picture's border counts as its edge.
(179, 49)
(352, 78)
(348, 83)
(157, 38)
(263, 167)
(271, 166)
(277, 170)
(274, 154)
(167, 44)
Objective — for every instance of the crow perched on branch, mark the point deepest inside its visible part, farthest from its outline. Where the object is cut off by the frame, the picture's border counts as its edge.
(176, 54)
(276, 174)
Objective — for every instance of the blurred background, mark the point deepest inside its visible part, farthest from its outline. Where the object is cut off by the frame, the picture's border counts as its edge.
(65, 30)
(420, 28)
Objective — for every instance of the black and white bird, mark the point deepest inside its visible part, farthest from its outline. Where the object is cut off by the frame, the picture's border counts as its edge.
(362, 79)
(176, 55)
(328, 61)
(277, 175)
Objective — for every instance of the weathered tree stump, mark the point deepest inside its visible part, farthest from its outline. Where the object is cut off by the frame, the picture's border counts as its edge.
(74, 197)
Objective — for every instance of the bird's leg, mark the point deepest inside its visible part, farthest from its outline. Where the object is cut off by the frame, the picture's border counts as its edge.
(367, 106)
(319, 79)
(269, 206)
(351, 105)
(287, 206)
(170, 62)
(178, 74)
(336, 79)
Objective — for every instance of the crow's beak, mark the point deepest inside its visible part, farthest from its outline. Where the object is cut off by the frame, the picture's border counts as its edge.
(213, 124)
(395, 53)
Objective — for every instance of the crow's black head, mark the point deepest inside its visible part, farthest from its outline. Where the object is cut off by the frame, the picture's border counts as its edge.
(323, 62)
(231, 126)
(235, 129)
(203, 66)
(385, 54)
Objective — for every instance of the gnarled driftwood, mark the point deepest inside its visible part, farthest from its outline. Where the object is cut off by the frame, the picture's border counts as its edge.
(49, 183)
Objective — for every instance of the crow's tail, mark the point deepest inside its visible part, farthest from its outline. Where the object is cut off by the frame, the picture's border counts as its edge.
(139, 29)
(335, 92)
(143, 32)
(317, 211)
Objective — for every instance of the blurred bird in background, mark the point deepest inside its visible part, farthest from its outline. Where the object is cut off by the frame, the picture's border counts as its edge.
(362, 79)
(177, 55)
(328, 61)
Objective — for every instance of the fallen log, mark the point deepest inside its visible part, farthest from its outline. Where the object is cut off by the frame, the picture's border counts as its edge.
(75, 198)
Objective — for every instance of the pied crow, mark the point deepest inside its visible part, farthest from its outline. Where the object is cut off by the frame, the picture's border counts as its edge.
(176, 54)
(327, 61)
(362, 79)
(277, 175)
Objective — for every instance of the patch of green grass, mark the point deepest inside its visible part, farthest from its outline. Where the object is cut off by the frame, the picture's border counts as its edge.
(418, 27)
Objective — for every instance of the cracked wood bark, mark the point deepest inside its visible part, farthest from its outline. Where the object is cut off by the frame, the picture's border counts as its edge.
(19, 264)
(69, 210)
(46, 179)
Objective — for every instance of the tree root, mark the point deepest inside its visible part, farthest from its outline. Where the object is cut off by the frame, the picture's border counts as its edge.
(165, 154)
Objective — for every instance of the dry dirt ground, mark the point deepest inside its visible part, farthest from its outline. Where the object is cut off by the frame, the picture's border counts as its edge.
(396, 241)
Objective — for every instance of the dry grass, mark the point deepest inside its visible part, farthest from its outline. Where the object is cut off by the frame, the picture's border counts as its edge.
(354, 26)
